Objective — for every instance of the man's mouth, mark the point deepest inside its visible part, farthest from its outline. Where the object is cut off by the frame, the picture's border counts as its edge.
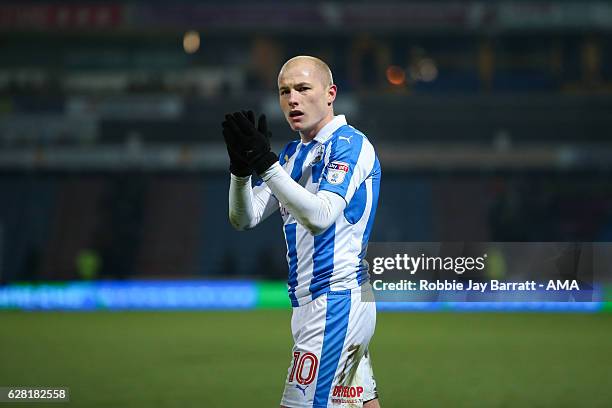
(294, 114)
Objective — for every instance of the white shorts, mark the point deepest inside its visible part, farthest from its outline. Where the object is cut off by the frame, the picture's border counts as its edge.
(330, 363)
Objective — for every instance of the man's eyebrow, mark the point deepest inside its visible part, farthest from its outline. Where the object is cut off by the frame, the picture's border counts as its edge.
(296, 85)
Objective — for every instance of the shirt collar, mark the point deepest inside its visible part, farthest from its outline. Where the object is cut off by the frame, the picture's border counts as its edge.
(327, 130)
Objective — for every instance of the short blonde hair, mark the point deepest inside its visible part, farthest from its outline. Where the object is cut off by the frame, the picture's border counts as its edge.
(321, 67)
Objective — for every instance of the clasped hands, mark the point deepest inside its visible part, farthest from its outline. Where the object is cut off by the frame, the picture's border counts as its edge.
(248, 145)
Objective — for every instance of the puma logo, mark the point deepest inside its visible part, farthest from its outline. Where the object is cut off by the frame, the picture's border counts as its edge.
(301, 389)
(348, 139)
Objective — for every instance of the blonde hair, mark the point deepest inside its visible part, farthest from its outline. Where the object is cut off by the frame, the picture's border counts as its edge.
(320, 66)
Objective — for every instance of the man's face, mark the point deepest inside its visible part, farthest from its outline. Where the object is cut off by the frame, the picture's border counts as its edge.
(304, 97)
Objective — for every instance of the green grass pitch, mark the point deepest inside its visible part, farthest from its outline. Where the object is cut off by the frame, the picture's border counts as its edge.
(239, 359)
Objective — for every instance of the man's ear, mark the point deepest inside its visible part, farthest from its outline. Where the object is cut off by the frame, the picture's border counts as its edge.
(331, 94)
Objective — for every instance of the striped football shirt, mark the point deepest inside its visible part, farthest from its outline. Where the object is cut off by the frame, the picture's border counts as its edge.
(342, 160)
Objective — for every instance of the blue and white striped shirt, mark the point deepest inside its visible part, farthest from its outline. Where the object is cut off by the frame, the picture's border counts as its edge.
(342, 160)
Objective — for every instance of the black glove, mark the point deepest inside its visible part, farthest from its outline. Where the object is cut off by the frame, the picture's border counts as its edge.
(238, 165)
(253, 142)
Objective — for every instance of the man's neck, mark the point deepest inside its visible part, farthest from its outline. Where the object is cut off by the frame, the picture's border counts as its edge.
(310, 134)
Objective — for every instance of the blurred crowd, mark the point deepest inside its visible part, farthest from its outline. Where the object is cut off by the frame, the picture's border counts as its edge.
(224, 66)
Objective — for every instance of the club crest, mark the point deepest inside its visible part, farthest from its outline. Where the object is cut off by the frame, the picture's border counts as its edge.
(318, 155)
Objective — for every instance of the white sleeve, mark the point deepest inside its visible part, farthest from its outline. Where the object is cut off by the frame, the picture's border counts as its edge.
(248, 206)
(316, 212)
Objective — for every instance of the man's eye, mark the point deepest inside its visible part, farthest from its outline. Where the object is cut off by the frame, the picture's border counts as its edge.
(302, 89)
(284, 92)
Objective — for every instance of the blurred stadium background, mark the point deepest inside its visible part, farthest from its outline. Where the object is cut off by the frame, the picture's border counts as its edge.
(492, 121)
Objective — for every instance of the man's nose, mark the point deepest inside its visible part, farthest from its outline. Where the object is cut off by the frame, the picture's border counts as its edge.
(293, 100)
